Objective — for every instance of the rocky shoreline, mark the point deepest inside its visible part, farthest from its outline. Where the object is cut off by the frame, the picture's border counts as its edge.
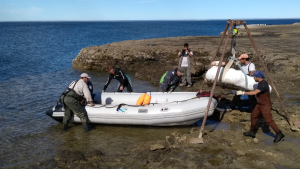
(150, 58)
(223, 147)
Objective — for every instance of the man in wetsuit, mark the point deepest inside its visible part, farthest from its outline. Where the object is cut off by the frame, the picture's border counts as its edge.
(119, 74)
(263, 107)
(71, 99)
(169, 81)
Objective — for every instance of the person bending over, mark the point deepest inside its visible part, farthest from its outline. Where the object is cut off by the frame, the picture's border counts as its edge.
(72, 98)
(118, 74)
(169, 81)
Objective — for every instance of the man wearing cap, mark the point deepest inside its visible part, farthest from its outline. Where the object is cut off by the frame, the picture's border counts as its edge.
(185, 65)
(248, 68)
(169, 81)
(118, 74)
(263, 107)
(71, 98)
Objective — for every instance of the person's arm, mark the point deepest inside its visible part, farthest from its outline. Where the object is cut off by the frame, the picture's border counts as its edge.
(174, 81)
(190, 53)
(253, 92)
(216, 63)
(252, 72)
(108, 81)
(122, 80)
(179, 54)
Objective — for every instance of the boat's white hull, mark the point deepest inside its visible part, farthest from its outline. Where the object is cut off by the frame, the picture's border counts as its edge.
(166, 109)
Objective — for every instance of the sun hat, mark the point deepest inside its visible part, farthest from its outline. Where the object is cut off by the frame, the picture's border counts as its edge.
(85, 75)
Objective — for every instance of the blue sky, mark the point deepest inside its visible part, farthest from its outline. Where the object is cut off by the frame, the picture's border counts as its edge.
(61, 10)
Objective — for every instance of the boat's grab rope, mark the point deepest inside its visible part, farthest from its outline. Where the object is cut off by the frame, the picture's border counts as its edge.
(123, 104)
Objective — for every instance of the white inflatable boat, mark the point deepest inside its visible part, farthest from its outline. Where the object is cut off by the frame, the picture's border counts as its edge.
(165, 109)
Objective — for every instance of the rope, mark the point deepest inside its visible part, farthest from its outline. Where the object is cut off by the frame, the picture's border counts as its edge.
(123, 104)
(231, 61)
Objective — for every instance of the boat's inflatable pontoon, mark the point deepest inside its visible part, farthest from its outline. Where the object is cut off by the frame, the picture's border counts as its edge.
(165, 109)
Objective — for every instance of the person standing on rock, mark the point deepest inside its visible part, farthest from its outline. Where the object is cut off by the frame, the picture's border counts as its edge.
(169, 81)
(263, 107)
(119, 74)
(248, 68)
(71, 99)
(185, 65)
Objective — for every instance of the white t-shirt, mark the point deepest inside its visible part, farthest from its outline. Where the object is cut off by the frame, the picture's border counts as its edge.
(184, 62)
(81, 89)
(250, 66)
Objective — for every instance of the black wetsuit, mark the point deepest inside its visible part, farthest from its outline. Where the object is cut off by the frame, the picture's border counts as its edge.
(121, 77)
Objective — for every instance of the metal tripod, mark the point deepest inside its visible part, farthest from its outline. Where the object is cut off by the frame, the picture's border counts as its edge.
(231, 23)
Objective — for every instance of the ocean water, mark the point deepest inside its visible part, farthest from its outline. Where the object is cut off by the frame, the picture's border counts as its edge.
(36, 66)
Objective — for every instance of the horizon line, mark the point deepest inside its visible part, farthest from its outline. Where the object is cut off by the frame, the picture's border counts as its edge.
(147, 20)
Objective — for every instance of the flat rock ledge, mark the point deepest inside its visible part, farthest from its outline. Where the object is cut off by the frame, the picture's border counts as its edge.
(150, 58)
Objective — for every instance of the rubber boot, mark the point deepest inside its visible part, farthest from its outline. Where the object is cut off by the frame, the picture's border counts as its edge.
(86, 127)
(65, 127)
(250, 133)
(279, 136)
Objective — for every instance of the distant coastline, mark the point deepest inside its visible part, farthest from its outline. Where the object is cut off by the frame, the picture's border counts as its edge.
(181, 20)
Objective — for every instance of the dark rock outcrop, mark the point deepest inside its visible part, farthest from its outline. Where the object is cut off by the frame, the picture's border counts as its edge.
(148, 58)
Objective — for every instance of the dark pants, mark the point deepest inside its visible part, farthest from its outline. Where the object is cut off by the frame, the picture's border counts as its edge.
(265, 110)
(71, 106)
(236, 102)
(127, 85)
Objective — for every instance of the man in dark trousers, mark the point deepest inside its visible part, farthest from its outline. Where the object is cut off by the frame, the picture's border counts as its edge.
(263, 107)
(169, 81)
(71, 99)
(119, 74)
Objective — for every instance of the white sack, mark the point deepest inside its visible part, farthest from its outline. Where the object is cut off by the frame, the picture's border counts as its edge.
(234, 79)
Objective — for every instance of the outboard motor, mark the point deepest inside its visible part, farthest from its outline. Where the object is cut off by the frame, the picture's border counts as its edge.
(57, 112)
(58, 108)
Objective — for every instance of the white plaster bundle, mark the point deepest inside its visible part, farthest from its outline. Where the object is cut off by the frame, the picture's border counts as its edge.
(234, 79)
